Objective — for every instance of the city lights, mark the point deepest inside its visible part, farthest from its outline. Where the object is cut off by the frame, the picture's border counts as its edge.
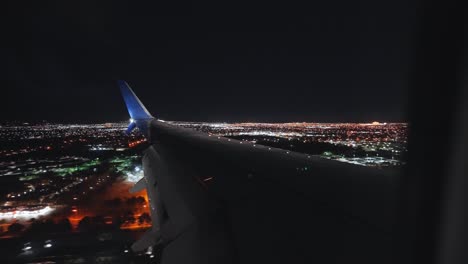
(25, 213)
(99, 154)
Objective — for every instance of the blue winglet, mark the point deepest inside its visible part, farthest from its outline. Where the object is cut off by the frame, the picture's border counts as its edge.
(138, 112)
(135, 108)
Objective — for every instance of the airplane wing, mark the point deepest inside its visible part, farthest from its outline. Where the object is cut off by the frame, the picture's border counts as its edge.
(220, 200)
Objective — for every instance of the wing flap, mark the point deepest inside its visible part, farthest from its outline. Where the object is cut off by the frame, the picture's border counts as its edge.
(149, 239)
(139, 186)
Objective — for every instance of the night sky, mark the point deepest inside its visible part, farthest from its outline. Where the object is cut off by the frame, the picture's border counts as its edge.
(324, 61)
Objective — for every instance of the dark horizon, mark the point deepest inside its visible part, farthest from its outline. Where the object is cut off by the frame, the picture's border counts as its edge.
(328, 62)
